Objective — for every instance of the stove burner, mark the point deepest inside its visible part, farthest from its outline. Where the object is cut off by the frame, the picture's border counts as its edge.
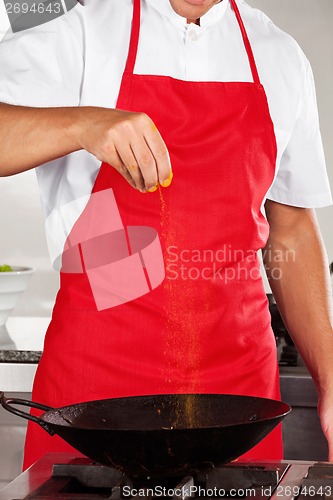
(80, 479)
(318, 483)
(83, 479)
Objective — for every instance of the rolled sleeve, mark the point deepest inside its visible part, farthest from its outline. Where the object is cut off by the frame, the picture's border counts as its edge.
(301, 178)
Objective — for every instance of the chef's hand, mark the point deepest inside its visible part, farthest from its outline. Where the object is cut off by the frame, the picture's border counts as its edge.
(130, 142)
(325, 410)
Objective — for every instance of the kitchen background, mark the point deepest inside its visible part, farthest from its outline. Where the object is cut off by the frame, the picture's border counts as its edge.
(22, 239)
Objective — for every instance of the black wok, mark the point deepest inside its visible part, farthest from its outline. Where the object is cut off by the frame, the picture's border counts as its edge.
(160, 435)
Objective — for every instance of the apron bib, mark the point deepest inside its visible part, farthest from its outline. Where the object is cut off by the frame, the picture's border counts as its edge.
(206, 327)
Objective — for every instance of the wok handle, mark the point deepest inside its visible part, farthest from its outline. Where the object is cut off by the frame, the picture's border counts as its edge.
(7, 405)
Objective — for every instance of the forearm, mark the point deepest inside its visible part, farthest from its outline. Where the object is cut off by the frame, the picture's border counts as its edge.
(130, 142)
(297, 269)
(32, 136)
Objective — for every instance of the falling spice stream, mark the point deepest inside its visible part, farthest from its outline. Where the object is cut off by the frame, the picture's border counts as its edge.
(182, 347)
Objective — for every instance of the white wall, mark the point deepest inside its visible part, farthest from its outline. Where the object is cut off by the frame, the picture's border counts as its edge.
(21, 227)
(22, 240)
(310, 23)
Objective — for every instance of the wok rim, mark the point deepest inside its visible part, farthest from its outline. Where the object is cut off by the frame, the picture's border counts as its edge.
(280, 416)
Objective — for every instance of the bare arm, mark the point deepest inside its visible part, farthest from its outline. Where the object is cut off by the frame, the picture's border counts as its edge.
(130, 142)
(297, 270)
(32, 136)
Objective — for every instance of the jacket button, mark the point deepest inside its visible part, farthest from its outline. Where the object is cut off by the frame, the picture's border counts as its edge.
(193, 36)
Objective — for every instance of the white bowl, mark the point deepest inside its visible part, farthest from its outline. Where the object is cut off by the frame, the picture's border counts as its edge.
(12, 284)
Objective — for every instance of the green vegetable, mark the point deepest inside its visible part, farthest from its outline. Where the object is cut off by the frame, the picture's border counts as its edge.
(5, 269)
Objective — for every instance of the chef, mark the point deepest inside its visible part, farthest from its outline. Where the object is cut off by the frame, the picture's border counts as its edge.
(195, 122)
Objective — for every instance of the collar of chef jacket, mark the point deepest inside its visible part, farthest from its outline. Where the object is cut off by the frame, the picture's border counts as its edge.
(213, 16)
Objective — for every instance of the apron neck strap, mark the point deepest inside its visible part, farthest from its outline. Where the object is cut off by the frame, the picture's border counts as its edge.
(255, 74)
(135, 31)
(134, 41)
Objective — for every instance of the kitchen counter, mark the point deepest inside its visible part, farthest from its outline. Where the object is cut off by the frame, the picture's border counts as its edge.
(20, 350)
(11, 356)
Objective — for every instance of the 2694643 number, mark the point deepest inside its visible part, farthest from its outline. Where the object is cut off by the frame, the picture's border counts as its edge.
(306, 491)
(35, 8)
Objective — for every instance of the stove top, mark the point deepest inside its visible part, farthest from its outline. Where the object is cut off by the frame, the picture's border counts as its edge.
(61, 476)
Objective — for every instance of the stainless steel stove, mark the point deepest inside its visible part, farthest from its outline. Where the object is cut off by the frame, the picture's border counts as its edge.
(62, 476)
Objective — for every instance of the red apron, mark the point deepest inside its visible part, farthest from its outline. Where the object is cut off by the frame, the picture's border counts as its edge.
(206, 327)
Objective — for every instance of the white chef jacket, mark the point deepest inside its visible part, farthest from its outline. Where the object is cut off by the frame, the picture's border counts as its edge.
(78, 60)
